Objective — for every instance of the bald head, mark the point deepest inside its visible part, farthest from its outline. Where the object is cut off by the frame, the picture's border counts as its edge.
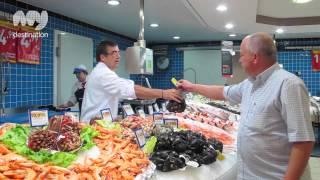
(262, 43)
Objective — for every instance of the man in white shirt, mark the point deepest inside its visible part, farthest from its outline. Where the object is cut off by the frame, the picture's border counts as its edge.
(275, 136)
(104, 87)
(78, 88)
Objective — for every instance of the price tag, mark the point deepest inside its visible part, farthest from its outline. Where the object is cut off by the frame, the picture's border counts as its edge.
(38, 117)
(106, 114)
(158, 118)
(164, 107)
(128, 109)
(150, 109)
(156, 107)
(141, 140)
(172, 122)
(75, 115)
(141, 113)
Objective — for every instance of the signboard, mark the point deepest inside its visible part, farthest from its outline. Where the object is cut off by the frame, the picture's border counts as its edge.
(8, 43)
(315, 56)
(226, 64)
(38, 117)
(28, 47)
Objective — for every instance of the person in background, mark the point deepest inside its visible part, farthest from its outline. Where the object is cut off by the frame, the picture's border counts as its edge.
(275, 137)
(78, 88)
(104, 87)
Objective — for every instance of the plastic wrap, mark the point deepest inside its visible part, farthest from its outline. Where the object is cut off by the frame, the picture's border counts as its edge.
(147, 173)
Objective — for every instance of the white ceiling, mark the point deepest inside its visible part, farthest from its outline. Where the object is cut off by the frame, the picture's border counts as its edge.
(193, 20)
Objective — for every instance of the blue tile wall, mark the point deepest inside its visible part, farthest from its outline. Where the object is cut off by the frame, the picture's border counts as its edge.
(300, 61)
(31, 85)
(162, 79)
(293, 60)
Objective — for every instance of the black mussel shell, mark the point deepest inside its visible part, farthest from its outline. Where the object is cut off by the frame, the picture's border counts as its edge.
(174, 106)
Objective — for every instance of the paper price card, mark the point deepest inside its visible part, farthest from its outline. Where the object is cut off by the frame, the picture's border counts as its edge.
(106, 114)
(150, 109)
(156, 107)
(163, 106)
(140, 137)
(38, 117)
(128, 109)
(141, 113)
(158, 118)
(172, 122)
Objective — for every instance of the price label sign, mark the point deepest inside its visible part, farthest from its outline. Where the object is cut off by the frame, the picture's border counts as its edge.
(156, 107)
(158, 118)
(141, 140)
(38, 117)
(150, 109)
(106, 114)
(75, 115)
(128, 109)
(172, 122)
(164, 107)
(141, 113)
(315, 55)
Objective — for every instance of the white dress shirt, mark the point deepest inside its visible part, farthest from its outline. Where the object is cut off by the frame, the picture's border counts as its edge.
(274, 114)
(104, 88)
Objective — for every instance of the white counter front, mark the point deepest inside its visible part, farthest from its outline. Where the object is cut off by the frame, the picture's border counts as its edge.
(219, 170)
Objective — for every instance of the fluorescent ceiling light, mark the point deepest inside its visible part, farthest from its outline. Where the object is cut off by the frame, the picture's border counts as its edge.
(176, 37)
(301, 1)
(229, 26)
(279, 30)
(232, 35)
(113, 2)
(154, 25)
(221, 8)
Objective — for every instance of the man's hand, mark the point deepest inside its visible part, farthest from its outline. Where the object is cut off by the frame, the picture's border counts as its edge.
(185, 85)
(172, 94)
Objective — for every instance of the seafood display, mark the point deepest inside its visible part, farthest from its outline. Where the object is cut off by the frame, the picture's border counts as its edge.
(174, 149)
(120, 158)
(208, 131)
(67, 149)
(62, 134)
(221, 121)
(174, 106)
(42, 139)
(134, 122)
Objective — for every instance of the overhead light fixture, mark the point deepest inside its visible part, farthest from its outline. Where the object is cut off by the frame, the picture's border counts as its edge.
(279, 30)
(229, 26)
(221, 8)
(113, 2)
(176, 37)
(301, 1)
(154, 25)
(232, 35)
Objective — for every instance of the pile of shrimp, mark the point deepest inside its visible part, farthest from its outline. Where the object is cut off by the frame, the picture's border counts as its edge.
(120, 158)
(13, 166)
